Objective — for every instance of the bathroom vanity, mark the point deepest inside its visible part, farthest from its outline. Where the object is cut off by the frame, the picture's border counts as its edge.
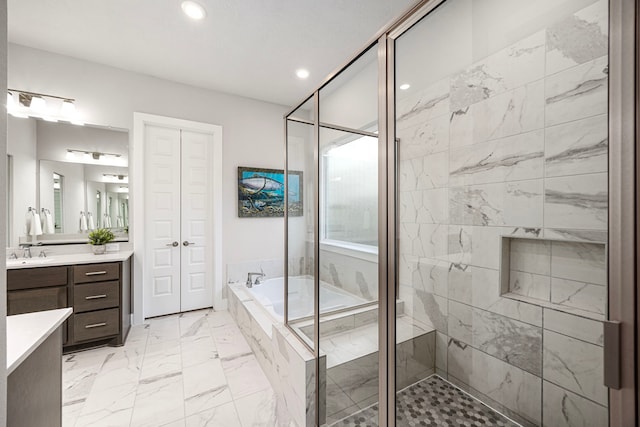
(96, 287)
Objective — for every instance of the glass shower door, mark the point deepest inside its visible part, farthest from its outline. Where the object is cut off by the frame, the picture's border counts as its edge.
(501, 118)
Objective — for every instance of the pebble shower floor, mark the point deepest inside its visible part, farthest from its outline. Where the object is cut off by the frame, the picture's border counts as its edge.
(432, 402)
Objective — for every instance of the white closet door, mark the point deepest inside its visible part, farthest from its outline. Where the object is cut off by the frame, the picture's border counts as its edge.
(197, 223)
(162, 220)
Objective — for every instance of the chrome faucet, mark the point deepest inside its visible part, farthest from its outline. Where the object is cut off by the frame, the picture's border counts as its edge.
(26, 250)
(258, 280)
(43, 254)
(13, 256)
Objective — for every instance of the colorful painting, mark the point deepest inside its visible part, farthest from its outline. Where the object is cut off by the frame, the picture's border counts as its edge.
(261, 192)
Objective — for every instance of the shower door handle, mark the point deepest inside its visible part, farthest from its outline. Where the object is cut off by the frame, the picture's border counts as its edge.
(612, 354)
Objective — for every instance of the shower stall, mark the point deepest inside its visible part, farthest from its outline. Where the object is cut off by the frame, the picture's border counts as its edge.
(466, 245)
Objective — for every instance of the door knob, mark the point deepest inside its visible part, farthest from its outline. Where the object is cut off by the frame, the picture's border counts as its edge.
(187, 243)
(174, 244)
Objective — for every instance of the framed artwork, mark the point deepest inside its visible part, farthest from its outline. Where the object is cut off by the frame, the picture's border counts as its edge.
(261, 192)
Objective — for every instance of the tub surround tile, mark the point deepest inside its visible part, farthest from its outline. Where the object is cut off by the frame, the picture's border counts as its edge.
(562, 408)
(574, 365)
(579, 147)
(510, 386)
(577, 93)
(574, 326)
(578, 38)
(511, 113)
(514, 158)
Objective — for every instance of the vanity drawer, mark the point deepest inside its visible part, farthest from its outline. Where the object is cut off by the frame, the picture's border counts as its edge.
(95, 324)
(96, 272)
(31, 300)
(37, 277)
(95, 296)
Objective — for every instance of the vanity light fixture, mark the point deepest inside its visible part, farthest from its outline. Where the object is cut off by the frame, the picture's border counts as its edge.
(113, 178)
(40, 105)
(193, 10)
(95, 158)
(302, 73)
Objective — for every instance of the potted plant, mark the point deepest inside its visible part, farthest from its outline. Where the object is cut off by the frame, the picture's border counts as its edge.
(99, 238)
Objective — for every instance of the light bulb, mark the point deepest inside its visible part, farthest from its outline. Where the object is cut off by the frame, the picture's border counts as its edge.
(68, 109)
(38, 105)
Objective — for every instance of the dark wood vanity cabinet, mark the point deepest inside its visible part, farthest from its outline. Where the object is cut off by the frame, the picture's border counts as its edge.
(99, 294)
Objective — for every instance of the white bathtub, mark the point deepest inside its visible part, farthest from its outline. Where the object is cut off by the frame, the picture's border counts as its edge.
(271, 295)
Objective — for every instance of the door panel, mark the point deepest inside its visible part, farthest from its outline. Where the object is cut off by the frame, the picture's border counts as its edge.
(162, 216)
(196, 274)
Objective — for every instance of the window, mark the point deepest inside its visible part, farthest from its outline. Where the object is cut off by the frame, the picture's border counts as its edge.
(350, 191)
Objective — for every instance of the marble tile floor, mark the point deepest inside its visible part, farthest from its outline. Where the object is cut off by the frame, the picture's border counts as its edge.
(432, 401)
(193, 369)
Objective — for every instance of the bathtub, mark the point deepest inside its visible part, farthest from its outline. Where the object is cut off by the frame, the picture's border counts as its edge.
(270, 294)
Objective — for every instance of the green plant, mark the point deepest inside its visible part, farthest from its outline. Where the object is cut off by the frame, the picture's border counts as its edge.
(100, 236)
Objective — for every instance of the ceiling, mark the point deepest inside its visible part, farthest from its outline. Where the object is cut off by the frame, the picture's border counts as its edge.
(244, 47)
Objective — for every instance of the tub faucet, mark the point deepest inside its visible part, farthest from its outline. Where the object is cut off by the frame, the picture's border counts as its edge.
(258, 280)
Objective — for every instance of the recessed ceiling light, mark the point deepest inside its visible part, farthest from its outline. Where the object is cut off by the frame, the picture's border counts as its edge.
(405, 86)
(193, 10)
(302, 73)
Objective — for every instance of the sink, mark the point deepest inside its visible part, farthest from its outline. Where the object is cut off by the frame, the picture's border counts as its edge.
(28, 261)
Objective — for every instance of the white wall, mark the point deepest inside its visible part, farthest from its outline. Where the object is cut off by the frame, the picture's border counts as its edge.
(21, 144)
(252, 130)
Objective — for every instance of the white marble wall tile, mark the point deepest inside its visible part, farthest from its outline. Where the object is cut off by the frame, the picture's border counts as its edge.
(579, 147)
(516, 343)
(512, 387)
(431, 276)
(510, 68)
(530, 285)
(513, 158)
(430, 309)
(578, 38)
(562, 408)
(512, 203)
(474, 245)
(577, 93)
(530, 256)
(573, 234)
(579, 295)
(574, 365)
(424, 105)
(423, 240)
(584, 262)
(415, 359)
(574, 326)
(480, 288)
(422, 139)
(517, 111)
(424, 173)
(579, 201)
(442, 342)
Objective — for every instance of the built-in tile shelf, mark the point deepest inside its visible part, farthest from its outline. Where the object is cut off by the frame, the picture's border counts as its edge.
(564, 275)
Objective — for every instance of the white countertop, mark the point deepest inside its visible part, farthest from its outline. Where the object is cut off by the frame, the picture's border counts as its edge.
(25, 332)
(68, 259)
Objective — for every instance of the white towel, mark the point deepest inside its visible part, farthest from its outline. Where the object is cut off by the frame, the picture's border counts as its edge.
(28, 219)
(83, 222)
(119, 222)
(36, 227)
(50, 227)
(92, 225)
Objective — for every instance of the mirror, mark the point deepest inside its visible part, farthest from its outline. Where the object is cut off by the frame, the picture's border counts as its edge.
(76, 178)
